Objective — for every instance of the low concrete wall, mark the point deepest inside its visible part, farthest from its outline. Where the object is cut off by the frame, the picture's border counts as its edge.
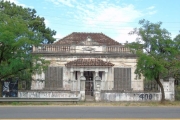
(130, 96)
(136, 96)
(104, 95)
(47, 94)
(142, 96)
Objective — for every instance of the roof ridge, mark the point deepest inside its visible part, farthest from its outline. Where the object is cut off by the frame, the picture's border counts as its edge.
(89, 32)
(62, 38)
(110, 38)
(88, 62)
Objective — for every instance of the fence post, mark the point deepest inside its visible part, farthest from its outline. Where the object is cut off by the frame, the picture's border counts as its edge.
(168, 88)
(172, 88)
(97, 93)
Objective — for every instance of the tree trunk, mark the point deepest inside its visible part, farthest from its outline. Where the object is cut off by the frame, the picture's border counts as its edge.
(162, 90)
(1, 88)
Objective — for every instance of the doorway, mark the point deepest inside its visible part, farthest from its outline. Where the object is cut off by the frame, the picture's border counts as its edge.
(89, 86)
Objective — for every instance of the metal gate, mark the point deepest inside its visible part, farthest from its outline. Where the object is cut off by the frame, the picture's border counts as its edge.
(89, 83)
(177, 90)
(89, 88)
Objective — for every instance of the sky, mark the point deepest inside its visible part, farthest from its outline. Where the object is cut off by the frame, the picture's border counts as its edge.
(114, 18)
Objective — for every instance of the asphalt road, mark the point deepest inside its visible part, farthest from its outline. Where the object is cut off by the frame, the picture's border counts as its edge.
(40, 112)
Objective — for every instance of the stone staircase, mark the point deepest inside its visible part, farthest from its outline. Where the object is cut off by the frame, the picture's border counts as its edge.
(89, 98)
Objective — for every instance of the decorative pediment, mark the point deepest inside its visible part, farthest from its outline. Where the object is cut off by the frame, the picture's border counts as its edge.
(88, 49)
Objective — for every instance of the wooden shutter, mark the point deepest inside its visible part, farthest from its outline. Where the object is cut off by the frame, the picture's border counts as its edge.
(54, 78)
(122, 78)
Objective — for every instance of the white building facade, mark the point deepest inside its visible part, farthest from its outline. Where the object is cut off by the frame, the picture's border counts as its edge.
(88, 66)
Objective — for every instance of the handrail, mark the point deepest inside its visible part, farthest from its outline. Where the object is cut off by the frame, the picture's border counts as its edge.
(17, 99)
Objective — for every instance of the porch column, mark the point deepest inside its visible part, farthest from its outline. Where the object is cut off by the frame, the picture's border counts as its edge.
(105, 80)
(97, 93)
(72, 81)
(82, 87)
(97, 86)
(96, 75)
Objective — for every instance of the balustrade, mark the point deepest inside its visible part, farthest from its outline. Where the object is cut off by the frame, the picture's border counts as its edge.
(117, 49)
(52, 48)
(72, 49)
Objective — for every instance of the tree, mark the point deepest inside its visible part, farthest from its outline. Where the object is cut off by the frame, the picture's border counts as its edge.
(20, 29)
(35, 22)
(176, 74)
(157, 53)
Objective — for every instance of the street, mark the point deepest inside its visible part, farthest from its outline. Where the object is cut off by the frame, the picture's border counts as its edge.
(52, 112)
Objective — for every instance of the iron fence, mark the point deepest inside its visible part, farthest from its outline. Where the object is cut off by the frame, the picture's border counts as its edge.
(106, 86)
(150, 86)
(74, 85)
(177, 90)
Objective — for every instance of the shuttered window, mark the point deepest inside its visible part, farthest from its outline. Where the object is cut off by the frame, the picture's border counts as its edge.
(122, 78)
(54, 78)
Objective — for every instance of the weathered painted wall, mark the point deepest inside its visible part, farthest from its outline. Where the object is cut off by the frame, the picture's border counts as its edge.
(69, 83)
(135, 96)
(142, 96)
(104, 96)
(130, 96)
(46, 94)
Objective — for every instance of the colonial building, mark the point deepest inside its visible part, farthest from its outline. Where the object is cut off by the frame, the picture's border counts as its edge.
(89, 56)
(87, 66)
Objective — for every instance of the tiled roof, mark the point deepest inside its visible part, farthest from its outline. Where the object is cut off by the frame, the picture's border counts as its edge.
(88, 62)
(77, 37)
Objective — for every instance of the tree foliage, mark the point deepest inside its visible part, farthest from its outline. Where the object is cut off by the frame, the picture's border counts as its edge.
(35, 22)
(158, 54)
(20, 29)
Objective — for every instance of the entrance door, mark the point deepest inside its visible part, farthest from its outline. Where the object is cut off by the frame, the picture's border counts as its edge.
(89, 83)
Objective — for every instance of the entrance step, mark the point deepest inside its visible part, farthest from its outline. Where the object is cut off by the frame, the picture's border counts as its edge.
(89, 98)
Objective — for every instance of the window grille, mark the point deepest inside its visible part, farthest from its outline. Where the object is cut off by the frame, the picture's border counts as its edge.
(54, 78)
(122, 78)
